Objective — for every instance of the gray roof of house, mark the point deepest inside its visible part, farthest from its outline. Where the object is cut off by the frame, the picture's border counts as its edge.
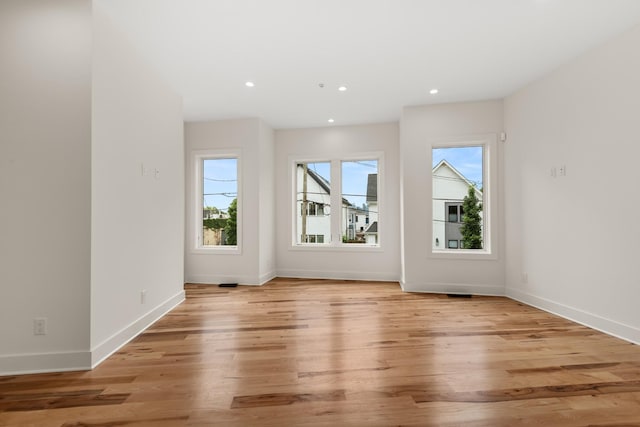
(373, 228)
(372, 188)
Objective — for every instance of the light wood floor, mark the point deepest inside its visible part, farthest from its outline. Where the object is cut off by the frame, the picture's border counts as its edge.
(334, 353)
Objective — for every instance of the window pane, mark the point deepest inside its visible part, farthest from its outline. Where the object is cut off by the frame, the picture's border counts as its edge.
(457, 176)
(360, 202)
(313, 199)
(453, 213)
(219, 202)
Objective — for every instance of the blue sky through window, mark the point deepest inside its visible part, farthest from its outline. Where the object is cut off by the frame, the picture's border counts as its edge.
(220, 182)
(355, 175)
(466, 160)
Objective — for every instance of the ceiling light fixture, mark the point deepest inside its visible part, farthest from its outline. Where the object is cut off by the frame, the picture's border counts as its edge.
(433, 91)
(342, 88)
(330, 120)
(249, 84)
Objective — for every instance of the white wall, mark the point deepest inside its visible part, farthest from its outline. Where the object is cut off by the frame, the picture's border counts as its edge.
(347, 263)
(421, 128)
(45, 134)
(250, 265)
(137, 235)
(576, 236)
(267, 232)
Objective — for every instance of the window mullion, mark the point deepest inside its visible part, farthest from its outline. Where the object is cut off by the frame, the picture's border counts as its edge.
(336, 202)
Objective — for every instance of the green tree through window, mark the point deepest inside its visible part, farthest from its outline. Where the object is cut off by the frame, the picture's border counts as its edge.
(230, 228)
(471, 228)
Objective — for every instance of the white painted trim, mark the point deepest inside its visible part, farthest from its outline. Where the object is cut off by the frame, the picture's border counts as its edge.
(112, 344)
(490, 195)
(197, 156)
(453, 288)
(214, 279)
(264, 278)
(339, 275)
(342, 247)
(599, 323)
(335, 244)
(38, 363)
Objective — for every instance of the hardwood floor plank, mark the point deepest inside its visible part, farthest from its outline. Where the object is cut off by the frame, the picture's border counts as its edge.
(280, 399)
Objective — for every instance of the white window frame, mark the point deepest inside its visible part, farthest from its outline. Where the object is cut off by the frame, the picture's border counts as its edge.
(335, 239)
(490, 184)
(197, 159)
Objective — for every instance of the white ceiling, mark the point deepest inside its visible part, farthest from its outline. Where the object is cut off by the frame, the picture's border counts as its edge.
(389, 53)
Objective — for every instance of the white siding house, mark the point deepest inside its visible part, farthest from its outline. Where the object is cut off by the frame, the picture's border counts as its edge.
(360, 223)
(449, 189)
(318, 220)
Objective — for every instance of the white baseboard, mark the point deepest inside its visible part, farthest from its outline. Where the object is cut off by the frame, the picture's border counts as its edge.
(339, 275)
(109, 346)
(264, 278)
(214, 279)
(37, 363)
(602, 324)
(453, 288)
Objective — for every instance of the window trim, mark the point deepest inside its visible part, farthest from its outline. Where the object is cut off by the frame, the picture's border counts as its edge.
(335, 244)
(489, 142)
(197, 158)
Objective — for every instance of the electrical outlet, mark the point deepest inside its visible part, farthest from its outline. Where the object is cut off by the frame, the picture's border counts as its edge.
(143, 296)
(563, 170)
(40, 326)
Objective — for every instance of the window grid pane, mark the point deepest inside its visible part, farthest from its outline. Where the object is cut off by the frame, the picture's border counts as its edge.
(457, 181)
(360, 207)
(313, 198)
(219, 202)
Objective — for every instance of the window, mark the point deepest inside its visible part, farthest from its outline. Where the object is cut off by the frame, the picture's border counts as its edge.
(459, 196)
(217, 219)
(313, 238)
(455, 212)
(355, 202)
(314, 209)
(313, 198)
(360, 201)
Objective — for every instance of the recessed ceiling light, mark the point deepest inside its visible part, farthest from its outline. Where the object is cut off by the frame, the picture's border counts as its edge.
(342, 88)
(249, 84)
(433, 91)
(330, 120)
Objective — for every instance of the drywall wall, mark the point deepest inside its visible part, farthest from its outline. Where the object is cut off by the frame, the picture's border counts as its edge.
(336, 143)
(267, 232)
(252, 263)
(137, 177)
(571, 181)
(421, 129)
(45, 183)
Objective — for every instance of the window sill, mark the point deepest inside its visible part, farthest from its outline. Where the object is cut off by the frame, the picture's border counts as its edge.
(327, 247)
(462, 254)
(218, 250)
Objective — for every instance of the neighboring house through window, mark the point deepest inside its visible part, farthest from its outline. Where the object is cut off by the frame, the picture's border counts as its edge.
(450, 187)
(357, 199)
(313, 200)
